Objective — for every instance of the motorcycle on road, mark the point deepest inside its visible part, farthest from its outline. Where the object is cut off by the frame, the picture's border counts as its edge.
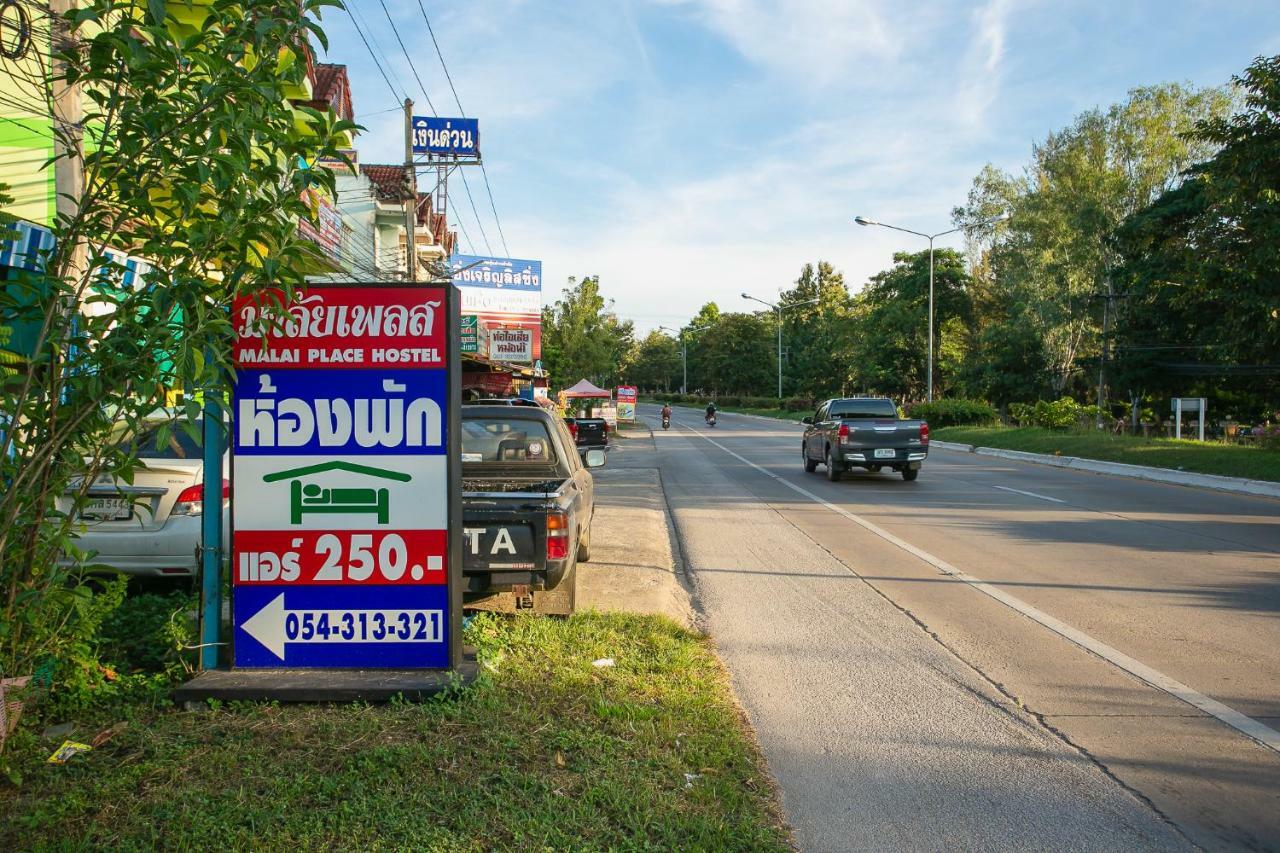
(711, 419)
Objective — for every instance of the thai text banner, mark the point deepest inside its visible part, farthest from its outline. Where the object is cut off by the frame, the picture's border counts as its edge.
(353, 327)
(343, 412)
(498, 273)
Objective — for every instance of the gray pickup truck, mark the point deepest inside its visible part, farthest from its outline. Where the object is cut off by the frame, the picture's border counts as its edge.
(527, 504)
(863, 432)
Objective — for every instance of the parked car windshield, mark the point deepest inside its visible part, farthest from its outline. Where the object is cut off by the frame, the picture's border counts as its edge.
(863, 409)
(506, 441)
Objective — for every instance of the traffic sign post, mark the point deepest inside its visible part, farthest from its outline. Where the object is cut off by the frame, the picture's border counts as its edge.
(345, 509)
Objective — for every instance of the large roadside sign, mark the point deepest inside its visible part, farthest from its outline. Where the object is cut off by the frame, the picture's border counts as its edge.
(626, 396)
(344, 480)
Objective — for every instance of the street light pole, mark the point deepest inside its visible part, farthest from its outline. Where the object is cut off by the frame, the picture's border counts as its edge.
(862, 220)
(684, 353)
(778, 310)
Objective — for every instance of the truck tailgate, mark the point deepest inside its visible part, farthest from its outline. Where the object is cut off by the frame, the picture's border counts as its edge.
(889, 440)
(502, 539)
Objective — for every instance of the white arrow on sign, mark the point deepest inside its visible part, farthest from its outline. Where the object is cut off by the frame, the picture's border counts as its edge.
(273, 626)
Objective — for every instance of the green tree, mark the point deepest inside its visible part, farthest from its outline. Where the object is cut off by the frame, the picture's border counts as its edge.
(1202, 307)
(736, 355)
(193, 160)
(890, 322)
(654, 363)
(1055, 255)
(818, 338)
(582, 337)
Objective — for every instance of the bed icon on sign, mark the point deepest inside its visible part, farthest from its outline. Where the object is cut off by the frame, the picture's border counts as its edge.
(306, 495)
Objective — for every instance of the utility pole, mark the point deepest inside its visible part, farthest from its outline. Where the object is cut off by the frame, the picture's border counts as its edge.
(68, 144)
(1102, 361)
(411, 207)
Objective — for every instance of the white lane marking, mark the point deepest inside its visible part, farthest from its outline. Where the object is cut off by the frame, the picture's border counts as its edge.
(1259, 732)
(1029, 494)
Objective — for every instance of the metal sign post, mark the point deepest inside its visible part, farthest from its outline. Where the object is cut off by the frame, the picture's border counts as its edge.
(346, 514)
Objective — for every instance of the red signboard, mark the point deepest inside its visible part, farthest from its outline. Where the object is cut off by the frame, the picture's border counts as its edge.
(284, 557)
(626, 393)
(355, 327)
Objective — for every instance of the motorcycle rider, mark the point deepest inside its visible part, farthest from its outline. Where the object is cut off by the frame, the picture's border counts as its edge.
(666, 413)
(711, 412)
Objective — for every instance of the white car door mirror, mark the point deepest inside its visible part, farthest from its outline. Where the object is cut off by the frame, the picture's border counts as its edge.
(595, 458)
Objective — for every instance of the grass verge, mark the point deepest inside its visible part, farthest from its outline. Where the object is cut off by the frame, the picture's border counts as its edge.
(1201, 457)
(546, 750)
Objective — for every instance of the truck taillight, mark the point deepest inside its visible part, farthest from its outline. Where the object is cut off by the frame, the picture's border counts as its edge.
(557, 536)
(573, 429)
(844, 432)
(924, 433)
(191, 499)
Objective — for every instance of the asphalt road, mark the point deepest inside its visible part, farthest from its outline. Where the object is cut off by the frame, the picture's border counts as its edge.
(999, 655)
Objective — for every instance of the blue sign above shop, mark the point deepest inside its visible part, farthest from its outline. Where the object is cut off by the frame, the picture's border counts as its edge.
(459, 137)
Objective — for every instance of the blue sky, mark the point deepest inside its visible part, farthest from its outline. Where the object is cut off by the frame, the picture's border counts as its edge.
(687, 150)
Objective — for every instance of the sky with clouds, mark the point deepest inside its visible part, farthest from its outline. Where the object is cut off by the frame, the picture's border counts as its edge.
(688, 150)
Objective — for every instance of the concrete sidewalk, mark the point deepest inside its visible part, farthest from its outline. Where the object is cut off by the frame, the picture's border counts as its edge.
(633, 567)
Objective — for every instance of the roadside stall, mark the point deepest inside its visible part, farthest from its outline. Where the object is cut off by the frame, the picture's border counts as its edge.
(583, 400)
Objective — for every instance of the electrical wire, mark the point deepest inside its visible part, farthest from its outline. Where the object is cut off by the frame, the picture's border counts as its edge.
(372, 55)
(409, 58)
(484, 173)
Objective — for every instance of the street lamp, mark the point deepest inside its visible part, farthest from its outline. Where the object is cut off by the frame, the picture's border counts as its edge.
(778, 309)
(684, 351)
(862, 220)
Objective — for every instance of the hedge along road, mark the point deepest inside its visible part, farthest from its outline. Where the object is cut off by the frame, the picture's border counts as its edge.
(1182, 584)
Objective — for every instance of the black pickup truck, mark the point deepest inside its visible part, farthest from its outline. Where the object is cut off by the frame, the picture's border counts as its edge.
(588, 432)
(863, 432)
(527, 505)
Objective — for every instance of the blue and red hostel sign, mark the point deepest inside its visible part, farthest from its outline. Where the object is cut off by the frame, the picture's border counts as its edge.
(343, 479)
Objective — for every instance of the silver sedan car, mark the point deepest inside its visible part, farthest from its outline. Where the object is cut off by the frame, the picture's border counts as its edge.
(152, 526)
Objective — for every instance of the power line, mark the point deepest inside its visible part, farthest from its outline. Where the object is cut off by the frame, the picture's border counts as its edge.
(386, 57)
(372, 55)
(409, 58)
(488, 188)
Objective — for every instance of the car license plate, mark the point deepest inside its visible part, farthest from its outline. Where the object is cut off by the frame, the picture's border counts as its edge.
(885, 453)
(107, 508)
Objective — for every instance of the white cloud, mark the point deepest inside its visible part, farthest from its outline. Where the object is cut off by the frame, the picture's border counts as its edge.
(820, 40)
(982, 67)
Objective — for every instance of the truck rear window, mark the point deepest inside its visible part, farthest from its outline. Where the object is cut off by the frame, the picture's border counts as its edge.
(863, 409)
(506, 441)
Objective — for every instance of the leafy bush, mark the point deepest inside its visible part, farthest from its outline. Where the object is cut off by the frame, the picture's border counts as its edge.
(1269, 437)
(1065, 413)
(146, 631)
(957, 412)
(799, 404)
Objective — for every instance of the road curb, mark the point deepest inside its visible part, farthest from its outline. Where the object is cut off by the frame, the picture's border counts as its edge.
(1235, 485)
(951, 445)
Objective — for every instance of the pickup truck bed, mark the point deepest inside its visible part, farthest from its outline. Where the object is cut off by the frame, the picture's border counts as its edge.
(527, 506)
